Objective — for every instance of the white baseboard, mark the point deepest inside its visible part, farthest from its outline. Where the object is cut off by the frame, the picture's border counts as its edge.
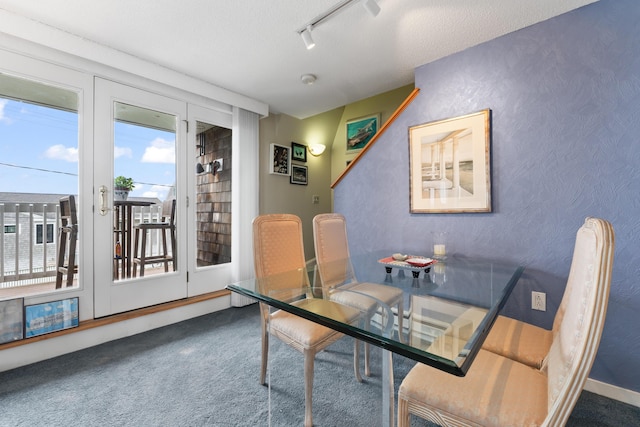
(613, 392)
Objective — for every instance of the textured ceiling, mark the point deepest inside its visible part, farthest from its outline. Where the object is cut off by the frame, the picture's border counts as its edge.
(251, 47)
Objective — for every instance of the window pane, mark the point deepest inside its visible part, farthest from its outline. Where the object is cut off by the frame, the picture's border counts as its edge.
(39, 234)
(145, 152)
(39, 166)
(213, 192)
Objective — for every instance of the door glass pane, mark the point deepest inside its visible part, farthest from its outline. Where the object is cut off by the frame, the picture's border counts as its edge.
(213, 195)
(144, 238)
(38, 171)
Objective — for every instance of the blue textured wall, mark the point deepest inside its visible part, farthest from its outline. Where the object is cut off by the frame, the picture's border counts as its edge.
(565, 101)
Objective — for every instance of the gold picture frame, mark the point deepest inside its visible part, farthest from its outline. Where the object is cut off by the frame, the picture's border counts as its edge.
(450, 165)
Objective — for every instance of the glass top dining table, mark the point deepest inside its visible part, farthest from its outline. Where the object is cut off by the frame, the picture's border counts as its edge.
(447, 306)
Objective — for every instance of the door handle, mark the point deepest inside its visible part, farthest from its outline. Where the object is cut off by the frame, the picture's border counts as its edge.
(103, 200)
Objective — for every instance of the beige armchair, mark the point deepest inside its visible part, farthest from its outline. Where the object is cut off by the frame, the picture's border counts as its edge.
(499, 391)
(280, 270)
(334, 268)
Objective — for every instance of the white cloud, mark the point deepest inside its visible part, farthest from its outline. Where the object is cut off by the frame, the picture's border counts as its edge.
(158, 191)
(3, 118)
(60, 152)
(122, 151)
(160, 151)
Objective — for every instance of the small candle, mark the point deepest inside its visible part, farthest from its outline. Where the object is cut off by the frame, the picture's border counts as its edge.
(439, 250)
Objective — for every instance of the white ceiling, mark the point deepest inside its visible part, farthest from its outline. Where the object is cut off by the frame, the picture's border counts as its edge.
(251, 47)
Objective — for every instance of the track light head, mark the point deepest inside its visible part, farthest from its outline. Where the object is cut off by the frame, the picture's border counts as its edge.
(306, 38)
(371, 6)
(305, 32)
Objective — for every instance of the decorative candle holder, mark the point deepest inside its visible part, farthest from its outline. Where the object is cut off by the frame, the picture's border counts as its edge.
(439, 244)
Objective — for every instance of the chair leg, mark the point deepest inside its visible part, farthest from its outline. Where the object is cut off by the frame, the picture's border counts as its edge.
(62, 247)
(367, 351)
(136, 239)
(165, 253)
(309, 357)
(173, 247)
(403, 412)
(71, 268)
(400, 320)
(356, 359)
(143, 252)
(265, 353)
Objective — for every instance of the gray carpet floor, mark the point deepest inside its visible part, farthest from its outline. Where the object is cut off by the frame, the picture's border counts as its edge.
(204, 372)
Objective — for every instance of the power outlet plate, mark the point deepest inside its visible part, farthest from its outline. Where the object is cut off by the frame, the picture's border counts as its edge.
(538, 301)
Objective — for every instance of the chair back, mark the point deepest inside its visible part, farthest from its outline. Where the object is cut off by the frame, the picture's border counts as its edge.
(578, 331)
(68, 213)
(332, 250)
(278, 252)
(169, 212)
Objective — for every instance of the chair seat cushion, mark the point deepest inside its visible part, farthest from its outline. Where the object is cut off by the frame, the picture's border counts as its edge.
(292, 328)
(496, 391)
(519, 341)
(365, 296)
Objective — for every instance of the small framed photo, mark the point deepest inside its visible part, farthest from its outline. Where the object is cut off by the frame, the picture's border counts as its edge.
(50, 317)
(299, 175)
(450, 165)
(280, 160)
(298, 152)
(11, 320)
(360, 131)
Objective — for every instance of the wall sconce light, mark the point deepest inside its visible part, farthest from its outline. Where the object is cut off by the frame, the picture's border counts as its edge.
(211, 167)
(216, 166)
(317, 149)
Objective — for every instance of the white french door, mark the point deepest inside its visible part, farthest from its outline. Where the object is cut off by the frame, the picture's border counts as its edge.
(138, 135)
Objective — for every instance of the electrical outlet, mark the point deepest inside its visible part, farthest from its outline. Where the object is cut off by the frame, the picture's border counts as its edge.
(538, 301)
(315, 199)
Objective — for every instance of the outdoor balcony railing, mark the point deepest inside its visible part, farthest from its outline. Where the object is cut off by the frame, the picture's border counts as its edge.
(29, 240)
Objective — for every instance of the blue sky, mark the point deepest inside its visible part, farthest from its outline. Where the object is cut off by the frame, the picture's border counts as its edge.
(39, 152)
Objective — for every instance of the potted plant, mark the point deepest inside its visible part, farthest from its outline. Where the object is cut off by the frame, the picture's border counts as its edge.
(121, 187)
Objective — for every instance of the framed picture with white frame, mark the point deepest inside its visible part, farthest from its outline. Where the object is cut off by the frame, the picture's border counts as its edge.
(450, 165)
(279, 160)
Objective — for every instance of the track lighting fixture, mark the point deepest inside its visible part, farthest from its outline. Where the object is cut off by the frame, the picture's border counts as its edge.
(305, 32)
(371, 6)
(306, 37)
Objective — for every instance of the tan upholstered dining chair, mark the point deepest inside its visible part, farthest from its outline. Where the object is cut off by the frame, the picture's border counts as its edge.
(280, 269)
(521, 341)
(500, 391)
(524, 342)
(334, 268)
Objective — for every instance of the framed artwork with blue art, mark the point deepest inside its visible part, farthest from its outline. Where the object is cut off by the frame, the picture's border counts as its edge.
(50, 317)
(360, 131)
